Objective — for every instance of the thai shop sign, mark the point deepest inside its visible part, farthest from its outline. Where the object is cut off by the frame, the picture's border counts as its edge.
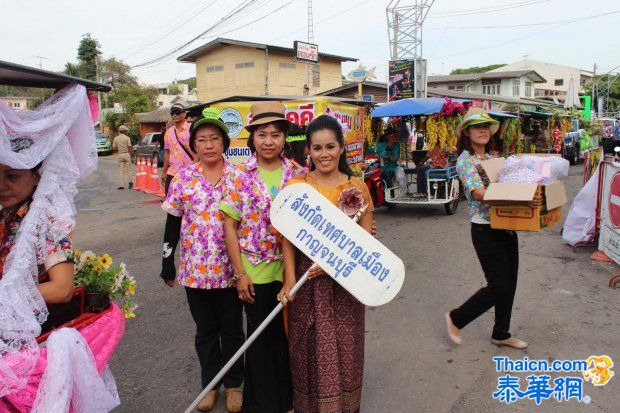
(306, 51)
(401, 79)
(236, 115)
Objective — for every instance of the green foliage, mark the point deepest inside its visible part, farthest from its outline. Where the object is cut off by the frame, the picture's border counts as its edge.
(614, 90)
(174, 89)
(115, 73)
(476, 69)
(190, 82)
(88, 51)
(97, 275)
(133, 97)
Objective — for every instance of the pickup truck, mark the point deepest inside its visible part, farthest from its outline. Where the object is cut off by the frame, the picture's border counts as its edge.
(571, 143)
(149, 147)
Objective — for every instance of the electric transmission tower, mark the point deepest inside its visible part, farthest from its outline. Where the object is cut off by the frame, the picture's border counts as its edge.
(405, 20)
(312, 70)
(310, 23)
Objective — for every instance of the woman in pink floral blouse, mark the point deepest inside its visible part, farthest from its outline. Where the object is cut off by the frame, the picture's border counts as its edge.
(254, 251)
(205, 271)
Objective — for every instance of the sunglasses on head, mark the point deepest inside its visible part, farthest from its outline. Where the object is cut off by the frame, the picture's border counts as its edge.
(176, 112)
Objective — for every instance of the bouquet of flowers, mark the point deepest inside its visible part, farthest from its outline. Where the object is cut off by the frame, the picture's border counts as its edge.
(98, 277)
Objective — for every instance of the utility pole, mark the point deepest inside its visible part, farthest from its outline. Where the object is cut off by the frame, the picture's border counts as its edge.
(593, 99)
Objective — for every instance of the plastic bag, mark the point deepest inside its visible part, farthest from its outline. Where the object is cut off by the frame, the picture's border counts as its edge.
(552, 168)
(514, 171)
(400, 178)
(581, 219)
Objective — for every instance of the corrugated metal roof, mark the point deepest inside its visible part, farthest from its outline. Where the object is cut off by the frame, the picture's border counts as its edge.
(161, 114)
(432, 91)
(472, 77)
(190, 57)
(353, 85)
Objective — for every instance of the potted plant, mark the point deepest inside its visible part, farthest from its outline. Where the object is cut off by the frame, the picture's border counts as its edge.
(104, 283)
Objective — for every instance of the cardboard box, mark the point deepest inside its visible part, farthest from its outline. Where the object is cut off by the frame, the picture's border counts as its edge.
(510, 202)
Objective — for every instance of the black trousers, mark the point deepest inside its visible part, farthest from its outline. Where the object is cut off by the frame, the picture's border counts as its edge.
(267, 377)
(219, 332)
(498, 252)
(167, 183)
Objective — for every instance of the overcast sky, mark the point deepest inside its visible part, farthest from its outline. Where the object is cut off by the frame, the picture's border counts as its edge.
(137, 31)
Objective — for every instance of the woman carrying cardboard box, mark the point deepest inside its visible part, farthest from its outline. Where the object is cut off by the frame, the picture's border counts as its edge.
(497, 250)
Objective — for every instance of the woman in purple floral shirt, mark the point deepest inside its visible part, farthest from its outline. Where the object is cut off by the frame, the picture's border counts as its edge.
(497, 250)
(205, 271)
(254, 250)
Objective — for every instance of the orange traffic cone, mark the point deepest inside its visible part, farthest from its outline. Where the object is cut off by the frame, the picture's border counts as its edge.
(152, 180)
(140, 181)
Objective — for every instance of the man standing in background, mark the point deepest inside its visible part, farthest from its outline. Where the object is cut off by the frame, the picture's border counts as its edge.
(122, 144)
(177, 154)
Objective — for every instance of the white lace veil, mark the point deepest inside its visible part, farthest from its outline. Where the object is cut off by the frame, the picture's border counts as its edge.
(62, 131)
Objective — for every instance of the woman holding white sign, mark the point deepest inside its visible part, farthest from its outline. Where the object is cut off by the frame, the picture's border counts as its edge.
(326, 323)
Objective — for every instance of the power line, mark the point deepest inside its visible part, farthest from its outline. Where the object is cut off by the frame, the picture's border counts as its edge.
(191, 10)
(522, 25)
(230, 14)
(253, 21)
(522, 37)
(478, 9)
(324, 20)
(483, 11)
(169, 54)
(168, 33)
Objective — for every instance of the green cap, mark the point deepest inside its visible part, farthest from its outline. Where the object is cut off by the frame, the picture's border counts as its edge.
(212, 116)
(296, 138)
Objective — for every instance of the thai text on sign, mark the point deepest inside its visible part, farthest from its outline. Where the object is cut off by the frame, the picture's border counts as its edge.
(307, 51)
(344, 250)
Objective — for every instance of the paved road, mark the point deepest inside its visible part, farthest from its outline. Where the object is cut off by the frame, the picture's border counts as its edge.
(563, 308)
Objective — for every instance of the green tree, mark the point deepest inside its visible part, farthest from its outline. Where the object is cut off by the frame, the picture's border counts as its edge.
(88, 52)
(133, 97)
(476, 69)
(614, 90)
(115, 73)
(174, 89)
(190, 82)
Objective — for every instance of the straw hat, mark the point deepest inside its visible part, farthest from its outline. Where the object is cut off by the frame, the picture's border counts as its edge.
(267, 112)
(477, 116)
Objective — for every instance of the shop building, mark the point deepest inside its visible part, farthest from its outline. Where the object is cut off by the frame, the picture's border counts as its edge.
(227, 67)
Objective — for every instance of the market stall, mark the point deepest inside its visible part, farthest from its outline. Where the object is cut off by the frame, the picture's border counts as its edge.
(433, 140)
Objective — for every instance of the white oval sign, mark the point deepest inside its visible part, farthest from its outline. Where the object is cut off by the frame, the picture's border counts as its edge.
(349, 254)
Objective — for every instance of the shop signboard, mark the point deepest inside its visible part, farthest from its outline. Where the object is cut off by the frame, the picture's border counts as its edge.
(306, 52)
(401, 79)
(609, 239)
(237, 115)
